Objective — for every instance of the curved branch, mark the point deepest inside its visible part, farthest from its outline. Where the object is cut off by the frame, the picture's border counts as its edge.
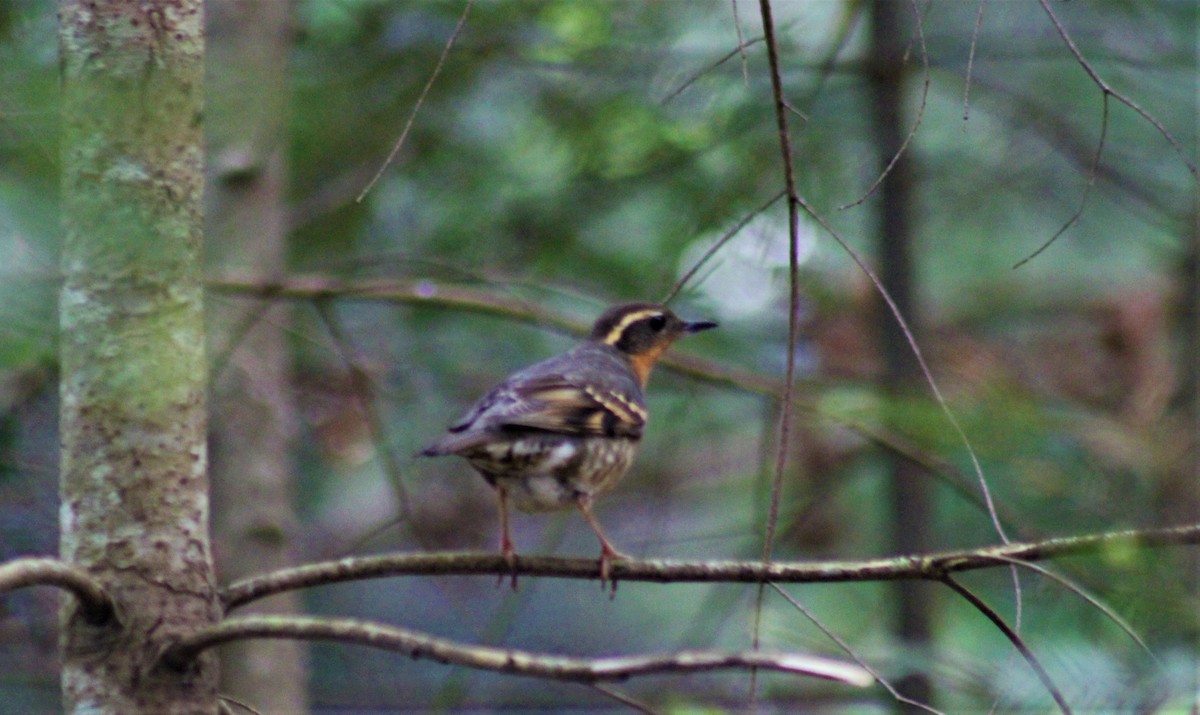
(471, 300)
(931, 566)
(503, 660)
(95, 605)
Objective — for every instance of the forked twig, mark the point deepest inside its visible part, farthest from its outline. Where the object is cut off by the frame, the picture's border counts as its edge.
(1108, 90)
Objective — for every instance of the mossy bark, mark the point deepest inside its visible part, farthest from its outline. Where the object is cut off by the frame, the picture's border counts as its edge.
(134, 483)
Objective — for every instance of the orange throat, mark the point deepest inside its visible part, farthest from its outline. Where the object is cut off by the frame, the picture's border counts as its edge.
(643, 363)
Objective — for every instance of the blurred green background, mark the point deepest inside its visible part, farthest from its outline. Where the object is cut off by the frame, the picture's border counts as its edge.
(575, 154)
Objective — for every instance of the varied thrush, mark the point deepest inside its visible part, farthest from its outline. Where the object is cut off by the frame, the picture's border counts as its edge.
(563, 431)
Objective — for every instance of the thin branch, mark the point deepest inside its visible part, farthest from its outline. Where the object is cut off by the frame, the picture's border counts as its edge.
(1093, 171)
(925, 371)
(851, 14)
(502, 660)
(789, 175)
(412, 117)
(95, 605)
(692, 79)
(1109, 91)
(226, 701)
(971, 62)
(1013, 638)
(912, 132)
(737, 24)
(361, 382)
(720, 242)
(928, 566)
(841, 642)
(411, 292)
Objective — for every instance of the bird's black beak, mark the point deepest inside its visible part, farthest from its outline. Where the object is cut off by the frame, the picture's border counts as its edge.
(699, 326)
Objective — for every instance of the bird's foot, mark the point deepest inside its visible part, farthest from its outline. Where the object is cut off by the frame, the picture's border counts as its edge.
(607, 581)
(510, 557)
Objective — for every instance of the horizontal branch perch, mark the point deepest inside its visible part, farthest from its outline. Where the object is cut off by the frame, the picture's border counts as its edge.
(502, 660)
(95, 605)
(933, 566)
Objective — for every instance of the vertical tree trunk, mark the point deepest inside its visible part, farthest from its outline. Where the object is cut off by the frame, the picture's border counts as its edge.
(254, 414)
(134, 483)
(909, 487)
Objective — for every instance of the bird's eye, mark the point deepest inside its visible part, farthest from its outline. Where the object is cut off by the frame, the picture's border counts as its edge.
(658, 322)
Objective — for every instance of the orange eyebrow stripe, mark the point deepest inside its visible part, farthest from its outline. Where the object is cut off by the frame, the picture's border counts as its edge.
(614, 335)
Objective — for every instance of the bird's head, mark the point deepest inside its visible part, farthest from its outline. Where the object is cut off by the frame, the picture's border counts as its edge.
(642, 332)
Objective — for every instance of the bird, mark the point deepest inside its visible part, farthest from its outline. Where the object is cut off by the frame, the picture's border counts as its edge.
(561, 432)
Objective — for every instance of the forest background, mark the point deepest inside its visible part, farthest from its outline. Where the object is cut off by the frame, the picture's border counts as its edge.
(570, 155)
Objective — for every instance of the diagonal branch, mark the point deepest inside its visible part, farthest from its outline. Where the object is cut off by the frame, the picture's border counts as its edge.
(503, 660)
(841, 642)
(928, 566)
(412, 117)
(95, 605)
(1013, 638)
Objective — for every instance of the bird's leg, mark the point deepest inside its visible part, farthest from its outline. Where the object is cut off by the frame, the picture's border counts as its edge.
(607, 551)
(507, 550)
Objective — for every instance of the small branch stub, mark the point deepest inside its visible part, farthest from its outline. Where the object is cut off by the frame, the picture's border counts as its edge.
(95, 605)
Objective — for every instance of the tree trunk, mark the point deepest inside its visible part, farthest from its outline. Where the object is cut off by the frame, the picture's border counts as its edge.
(254, 415)
(910, 497)
(134, 484)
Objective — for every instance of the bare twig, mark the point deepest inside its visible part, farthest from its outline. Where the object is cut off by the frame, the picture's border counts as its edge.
(503, 660)
(921, 566)
(1013, 638)
(437, 69)
(783, 445)
(912, 132)
(95, 605)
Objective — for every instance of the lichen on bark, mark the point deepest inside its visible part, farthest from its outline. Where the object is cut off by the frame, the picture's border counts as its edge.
(134, 487)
